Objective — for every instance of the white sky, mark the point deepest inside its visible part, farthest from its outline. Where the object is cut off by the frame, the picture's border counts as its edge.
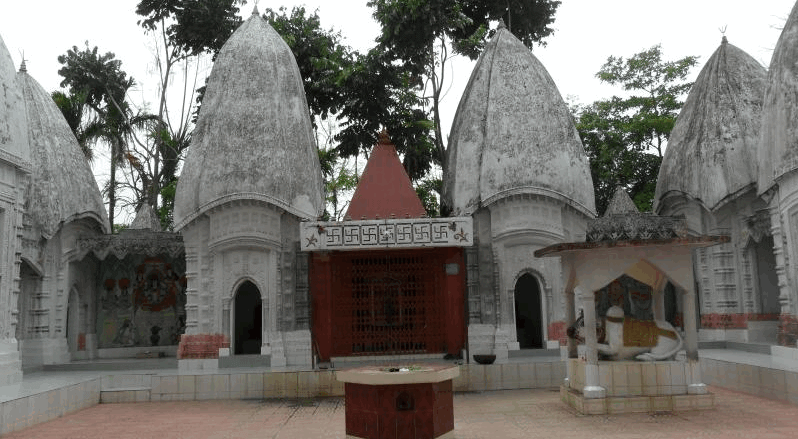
(586, 33)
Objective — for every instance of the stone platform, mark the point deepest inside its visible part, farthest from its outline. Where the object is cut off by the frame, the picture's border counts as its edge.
(613, 405)
(635, 386)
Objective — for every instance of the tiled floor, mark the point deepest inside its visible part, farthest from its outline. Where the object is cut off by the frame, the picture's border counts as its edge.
(499, 414)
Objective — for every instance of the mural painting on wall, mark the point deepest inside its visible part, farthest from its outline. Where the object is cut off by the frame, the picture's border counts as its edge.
(142, 302)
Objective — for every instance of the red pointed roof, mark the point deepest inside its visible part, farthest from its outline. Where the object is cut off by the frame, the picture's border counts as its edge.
(384, 188)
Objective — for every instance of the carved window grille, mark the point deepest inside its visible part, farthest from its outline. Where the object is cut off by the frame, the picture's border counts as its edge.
(386, 305)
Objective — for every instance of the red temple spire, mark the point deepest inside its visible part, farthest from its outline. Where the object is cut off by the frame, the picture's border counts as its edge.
(384, 190)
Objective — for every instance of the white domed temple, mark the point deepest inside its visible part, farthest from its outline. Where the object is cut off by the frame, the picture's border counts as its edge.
(709, 175)
(251, 175)
(517, 166)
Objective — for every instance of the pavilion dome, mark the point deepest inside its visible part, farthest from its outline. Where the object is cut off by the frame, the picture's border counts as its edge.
(778, 154)
(253, 139)
(513, 134)
(712, 150)
(13, 131)
(62, 187)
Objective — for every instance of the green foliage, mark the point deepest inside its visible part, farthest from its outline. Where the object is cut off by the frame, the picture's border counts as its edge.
(657, 89)
(99, 78)
(427, 191)
(73, 108)
(119, 227)
(103, 83)
(338, 180)
(379, 94)
(320, 55)
(166, 210)
(417, 38)
(624, 138)
(191, 26)
(411, 27)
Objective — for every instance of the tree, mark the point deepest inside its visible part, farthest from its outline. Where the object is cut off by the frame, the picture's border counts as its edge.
(363, 93)
(184, 31)
(86, 128)
(421, 36)
(625, 137)
(320, 55)
(102, 85)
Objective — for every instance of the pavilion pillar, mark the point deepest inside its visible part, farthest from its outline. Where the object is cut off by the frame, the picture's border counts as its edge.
(658, 299)
(694, 385)
(592, 388)
(570, 318)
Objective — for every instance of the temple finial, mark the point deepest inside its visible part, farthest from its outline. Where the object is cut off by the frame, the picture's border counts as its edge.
(23, 67)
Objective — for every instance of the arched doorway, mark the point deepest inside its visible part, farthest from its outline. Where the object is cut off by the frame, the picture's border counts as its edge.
(528, 321)
(248, 334)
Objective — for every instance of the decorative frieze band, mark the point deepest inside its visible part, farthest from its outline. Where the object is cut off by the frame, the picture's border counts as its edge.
(387, 233)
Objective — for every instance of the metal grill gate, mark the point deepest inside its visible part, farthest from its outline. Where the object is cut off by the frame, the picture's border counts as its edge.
(388, 304)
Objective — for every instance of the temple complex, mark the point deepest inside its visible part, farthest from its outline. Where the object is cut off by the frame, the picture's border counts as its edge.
(253, 272)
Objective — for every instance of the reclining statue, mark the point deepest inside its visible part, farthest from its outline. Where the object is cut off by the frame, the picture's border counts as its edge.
(625, 338)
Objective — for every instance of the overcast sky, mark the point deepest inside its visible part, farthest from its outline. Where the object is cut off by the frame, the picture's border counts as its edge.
(586, 33)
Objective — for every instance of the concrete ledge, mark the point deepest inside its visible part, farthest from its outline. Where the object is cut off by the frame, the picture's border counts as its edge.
(45, 405)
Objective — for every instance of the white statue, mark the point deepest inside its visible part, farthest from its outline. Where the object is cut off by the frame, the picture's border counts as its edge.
(625, 338)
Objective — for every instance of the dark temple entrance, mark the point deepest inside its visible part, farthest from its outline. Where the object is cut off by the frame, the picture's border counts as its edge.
(528, 321)
(248, 325)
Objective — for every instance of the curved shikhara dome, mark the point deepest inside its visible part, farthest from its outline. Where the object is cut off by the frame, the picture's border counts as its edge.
(62, 187)
(513, 134)
(254, 138)
(778, 154)
(712, 150)
(13, 131)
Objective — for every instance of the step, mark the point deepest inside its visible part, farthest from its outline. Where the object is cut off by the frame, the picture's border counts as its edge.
(243, 361)
(522, 353)
(125, 394)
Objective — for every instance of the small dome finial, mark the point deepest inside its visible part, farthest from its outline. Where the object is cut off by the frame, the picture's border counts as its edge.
(501, 24)
(23, 67)
(255, 9)
(722, 30)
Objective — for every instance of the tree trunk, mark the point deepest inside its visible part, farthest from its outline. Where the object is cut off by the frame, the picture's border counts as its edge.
(112, 188)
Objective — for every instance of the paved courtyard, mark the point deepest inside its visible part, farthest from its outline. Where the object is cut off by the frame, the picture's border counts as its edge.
(495, 415)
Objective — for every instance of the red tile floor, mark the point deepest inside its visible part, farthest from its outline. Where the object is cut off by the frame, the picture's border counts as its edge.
(494, 415)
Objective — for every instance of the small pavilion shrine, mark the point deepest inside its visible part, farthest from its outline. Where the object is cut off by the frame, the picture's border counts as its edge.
(652, 250)
(387, 281)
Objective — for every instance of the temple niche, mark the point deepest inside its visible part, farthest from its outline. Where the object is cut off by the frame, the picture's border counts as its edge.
(516, 165)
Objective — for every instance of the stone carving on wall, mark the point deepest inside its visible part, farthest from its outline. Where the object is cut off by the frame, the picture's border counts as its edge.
(635, 226)
(388, 233)
(132, 242)
(758, 225)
